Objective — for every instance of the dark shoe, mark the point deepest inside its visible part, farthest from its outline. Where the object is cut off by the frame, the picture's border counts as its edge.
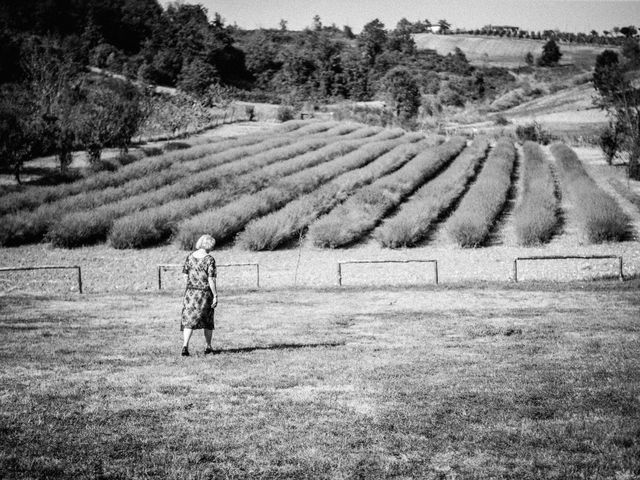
(208, 350)
(185, 352)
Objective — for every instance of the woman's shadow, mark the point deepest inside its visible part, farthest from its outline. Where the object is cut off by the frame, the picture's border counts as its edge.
(277, 346)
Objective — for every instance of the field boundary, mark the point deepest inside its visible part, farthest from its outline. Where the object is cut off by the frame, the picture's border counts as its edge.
(169, 266)
(346, 262)
(566, 257)
(48, 267)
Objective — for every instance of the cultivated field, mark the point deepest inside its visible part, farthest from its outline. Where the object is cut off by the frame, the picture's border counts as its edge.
(389, 376)
(503, 51)
(281, 197)
(533, 381)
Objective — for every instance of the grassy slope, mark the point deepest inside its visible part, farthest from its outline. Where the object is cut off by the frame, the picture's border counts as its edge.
(508, 382)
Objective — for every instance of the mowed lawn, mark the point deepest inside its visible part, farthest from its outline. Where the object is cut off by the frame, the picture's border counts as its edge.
(467, 381)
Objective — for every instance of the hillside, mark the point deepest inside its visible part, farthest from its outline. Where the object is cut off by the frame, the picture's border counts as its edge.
(503, 51)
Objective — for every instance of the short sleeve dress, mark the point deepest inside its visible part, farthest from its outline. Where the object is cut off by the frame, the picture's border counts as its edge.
(197, 312)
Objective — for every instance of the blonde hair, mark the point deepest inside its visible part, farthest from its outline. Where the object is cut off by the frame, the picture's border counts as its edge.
(206, 242)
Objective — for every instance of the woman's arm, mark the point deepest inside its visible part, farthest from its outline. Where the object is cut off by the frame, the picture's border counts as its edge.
(212, 285)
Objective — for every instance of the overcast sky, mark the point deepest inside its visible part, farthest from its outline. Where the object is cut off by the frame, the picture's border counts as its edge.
(566, 15)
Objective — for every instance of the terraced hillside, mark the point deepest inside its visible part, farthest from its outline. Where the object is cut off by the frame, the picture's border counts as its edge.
(337, 184)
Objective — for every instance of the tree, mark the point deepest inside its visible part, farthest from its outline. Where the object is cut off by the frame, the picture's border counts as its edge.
(629, 31)
(631, 51)
(317, 23)
(283, 25)
(401, 39)
(528, 58)
(348, 32)
(550, 54)
(197, 76)
(402, 93)
(107, 114)
(15, 144)
(372, 40)
(621, 99)
(444, 26)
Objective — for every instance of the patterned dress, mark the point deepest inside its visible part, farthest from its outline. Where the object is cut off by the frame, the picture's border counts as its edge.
(196, 308)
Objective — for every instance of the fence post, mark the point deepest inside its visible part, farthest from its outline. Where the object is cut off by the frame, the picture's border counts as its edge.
(159, 277)
(621, 273)
(435, 266)
(339, 274)
(515, 270)
(257, 275)
(79, 279)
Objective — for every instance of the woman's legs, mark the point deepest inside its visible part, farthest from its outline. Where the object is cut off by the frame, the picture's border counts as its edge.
(207, 336)
(186, 333)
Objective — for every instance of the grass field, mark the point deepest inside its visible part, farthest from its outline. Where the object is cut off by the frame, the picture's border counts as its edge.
(470, 381)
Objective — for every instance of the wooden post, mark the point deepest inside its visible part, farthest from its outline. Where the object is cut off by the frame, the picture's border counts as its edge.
(435, 267)
(515, 270)
(79, 279)
(621, 273)
(257, 275)
(159, 278)
(339, 274)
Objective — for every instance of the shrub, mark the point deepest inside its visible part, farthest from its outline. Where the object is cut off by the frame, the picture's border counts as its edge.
(225, 222)
(360, 213)
(535, 216)
(32, 198)
(122, 199)
(285, 113)
(471, 223)
(501, 120)
(69, 232)
(155, 225)
(600, 217)
(533, 132)
(271, 231)
(171, 146)
(415, 218)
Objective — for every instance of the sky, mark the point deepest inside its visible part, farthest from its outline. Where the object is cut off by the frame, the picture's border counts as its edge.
(566, 15)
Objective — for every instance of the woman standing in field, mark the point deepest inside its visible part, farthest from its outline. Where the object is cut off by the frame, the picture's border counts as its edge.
(201, 295)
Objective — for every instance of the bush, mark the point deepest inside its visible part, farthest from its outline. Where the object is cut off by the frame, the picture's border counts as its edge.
(535, 216)
(501, 120)
(172, 146)
(223, 223)
(285, 113)
(125, 196)
(533, 132)
(154, 225)
(601, 218)
(472, 222)
(69, 232)
(361, 212)
(415, 218)
(271, 231)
